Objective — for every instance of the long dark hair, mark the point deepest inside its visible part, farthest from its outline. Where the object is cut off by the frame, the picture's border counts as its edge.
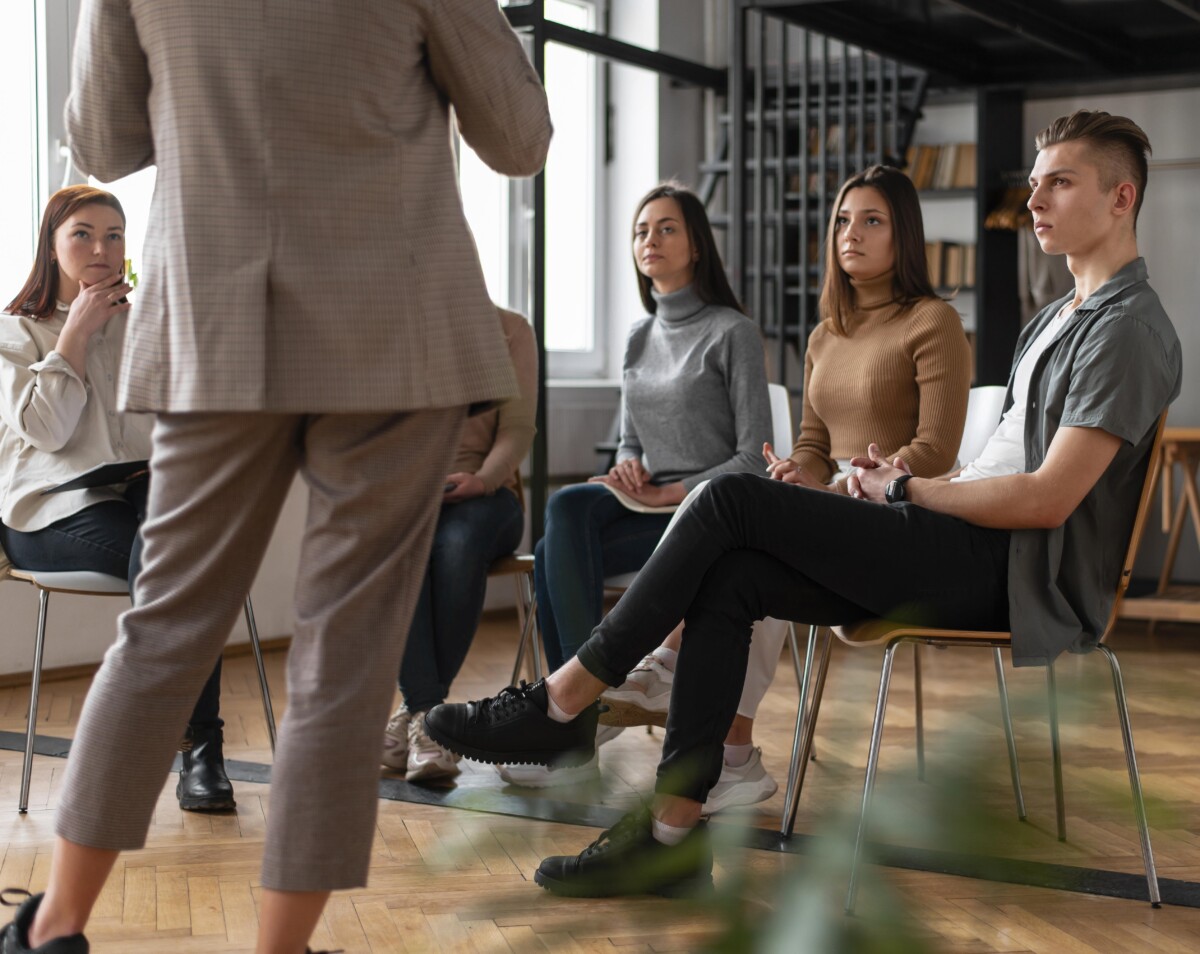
(38, 295)
(910, 280)
(709, 277)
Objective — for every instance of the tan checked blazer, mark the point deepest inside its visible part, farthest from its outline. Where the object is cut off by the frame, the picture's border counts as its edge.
(307, 249)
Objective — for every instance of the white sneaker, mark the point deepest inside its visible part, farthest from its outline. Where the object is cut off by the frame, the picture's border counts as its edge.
(643, 698)
(426, 759)
(545, 776)
(741, 785)
(395, 740)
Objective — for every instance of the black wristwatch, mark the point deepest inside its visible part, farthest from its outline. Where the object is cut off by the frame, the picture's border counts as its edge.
(894, 491)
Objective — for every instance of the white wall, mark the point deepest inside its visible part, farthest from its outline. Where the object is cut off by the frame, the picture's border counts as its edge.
(1168, 237)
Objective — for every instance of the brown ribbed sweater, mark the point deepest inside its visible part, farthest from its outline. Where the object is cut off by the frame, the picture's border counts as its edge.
(899, 377)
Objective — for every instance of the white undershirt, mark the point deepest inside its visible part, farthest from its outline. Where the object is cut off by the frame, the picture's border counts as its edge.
(1004, 453)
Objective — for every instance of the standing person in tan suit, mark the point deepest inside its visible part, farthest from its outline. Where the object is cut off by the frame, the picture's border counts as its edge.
(312, 302)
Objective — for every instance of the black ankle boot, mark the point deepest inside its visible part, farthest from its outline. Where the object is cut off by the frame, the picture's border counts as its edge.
(203, 785)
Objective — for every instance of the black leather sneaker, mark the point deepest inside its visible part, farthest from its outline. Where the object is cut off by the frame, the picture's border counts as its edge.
(15, 938)
(513, 728)
(627, 860)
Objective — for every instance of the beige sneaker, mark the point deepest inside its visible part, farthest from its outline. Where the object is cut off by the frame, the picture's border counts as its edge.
(643, 698)
(395, 740)
(426, 759)
(741, 785)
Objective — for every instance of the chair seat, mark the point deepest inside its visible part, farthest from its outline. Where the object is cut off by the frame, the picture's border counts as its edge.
(877, 632)
(72, 581)
(512, 563)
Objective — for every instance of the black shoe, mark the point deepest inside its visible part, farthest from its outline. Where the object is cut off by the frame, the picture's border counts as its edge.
(513, 728)
(15, 937)
(203, 785)
(627, 860)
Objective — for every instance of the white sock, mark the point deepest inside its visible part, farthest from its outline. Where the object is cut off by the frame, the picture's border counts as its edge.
(666, 834)
(666, 656)
(736, 755)
(555, 712)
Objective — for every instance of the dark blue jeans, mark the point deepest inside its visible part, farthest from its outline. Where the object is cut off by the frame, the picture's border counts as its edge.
(103, 538)
(469, 536)
(750, 547)
(589, 535)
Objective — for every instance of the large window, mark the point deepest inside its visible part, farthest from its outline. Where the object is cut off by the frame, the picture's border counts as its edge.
(18, 158)
(499, 210)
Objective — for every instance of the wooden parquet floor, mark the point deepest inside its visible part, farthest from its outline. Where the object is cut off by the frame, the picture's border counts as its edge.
(445, 879)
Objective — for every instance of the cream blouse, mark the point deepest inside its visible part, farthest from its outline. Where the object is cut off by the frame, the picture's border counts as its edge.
(53, 426)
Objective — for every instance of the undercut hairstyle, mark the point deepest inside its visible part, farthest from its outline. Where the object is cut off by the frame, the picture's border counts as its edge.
(709, 278)
(910, 278)
(39, 295)
(1117, 144)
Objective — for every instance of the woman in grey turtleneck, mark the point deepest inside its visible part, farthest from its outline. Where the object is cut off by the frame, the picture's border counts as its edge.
(694, 405)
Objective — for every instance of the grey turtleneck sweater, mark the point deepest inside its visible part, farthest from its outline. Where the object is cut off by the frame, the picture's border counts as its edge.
(694, 393)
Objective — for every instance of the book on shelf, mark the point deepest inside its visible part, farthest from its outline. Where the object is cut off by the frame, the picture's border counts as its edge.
(951, 264)
(942, 166)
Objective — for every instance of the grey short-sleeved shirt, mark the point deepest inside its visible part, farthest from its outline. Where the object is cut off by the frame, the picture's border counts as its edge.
(1116, 365)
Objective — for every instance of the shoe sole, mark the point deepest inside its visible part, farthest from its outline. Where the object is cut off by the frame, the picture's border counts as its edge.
(587, 779)
(440, 773)
(761, 795)
(629, 713)
(556, 758)
(207, 804)
(696, 887)
(194, 804)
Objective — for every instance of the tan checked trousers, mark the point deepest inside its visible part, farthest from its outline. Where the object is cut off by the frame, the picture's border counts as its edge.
(218, 483)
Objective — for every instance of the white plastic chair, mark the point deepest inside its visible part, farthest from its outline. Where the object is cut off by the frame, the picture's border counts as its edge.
(87, 583)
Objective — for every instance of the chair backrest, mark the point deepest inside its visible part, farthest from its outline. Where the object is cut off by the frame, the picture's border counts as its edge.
(1139, 520)
(984, 405)
(782, 435)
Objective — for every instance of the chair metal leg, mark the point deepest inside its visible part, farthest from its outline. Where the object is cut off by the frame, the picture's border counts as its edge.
(1014, 767)
(919, 704)
(535, 637)
(885, 678)
(1135, 780)
(800, 759)
(34, 690)
(522, 619)
(803, 674)
(798, 666)
(268, 709)
(1060, 805)
(527, 620)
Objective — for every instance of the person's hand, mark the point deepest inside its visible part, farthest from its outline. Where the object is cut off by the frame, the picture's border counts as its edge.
(790, 472)
(873, 473)
(778, 467)
(91, 310)
(96, 304)
(629, 475)
(466, 486)
(651, 495)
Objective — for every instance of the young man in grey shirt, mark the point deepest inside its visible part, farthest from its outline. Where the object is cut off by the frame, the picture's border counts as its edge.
(1034, 544)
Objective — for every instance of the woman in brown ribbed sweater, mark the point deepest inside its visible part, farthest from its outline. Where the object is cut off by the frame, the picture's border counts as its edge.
(890, 364)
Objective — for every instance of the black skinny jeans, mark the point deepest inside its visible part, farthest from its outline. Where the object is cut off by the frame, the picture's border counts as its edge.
(104, 538)
(751, 547)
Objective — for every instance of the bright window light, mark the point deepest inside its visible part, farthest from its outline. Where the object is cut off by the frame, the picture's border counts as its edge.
(18, 176)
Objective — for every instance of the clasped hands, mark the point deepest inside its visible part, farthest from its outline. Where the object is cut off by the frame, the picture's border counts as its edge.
(870, 477)
(633, 479)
